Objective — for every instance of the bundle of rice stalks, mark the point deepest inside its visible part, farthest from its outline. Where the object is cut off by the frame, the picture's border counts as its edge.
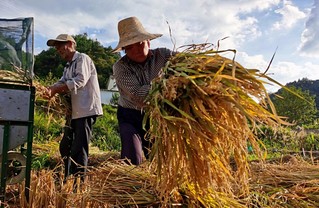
(16, 75)
(120, 185)
(113, 184)
(6, 75)
(116, 184)
(202, 112)
(58, 106)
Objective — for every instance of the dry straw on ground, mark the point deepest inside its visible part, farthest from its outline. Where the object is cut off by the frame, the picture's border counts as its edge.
(116, 184)
(291, 183)
(111, 184)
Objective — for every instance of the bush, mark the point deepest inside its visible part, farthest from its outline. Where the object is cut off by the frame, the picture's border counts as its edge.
(285, 139)
(105, 130)
(46, 127)
(279, 139)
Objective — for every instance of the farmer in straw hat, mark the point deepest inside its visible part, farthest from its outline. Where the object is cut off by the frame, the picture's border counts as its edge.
(80, 80)
(133, 74)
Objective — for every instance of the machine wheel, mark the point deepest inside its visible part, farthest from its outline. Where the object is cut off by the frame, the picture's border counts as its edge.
(16, 169)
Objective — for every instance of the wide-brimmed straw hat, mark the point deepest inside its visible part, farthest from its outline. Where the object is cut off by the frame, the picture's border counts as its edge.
(132, 31)
(60, 38)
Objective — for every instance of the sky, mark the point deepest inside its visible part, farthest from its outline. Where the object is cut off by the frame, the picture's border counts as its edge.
(256, 29)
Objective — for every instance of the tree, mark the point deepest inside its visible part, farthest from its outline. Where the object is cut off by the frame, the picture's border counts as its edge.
(297, 110)
(50, 62)
(306, 84)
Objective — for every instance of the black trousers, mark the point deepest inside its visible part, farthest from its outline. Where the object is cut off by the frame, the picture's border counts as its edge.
(133, 140)
(74, 146)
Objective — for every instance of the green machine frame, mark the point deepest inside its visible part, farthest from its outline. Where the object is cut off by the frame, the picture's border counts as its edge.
(16, 120)
(17, 99)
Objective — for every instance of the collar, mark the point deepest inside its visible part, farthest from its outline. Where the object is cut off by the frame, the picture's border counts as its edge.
(75, 56)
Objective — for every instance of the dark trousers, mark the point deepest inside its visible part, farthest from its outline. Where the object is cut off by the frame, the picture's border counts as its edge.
(132, 134)
(74, 146)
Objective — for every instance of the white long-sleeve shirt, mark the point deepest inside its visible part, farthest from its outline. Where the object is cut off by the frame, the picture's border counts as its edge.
(81, 78)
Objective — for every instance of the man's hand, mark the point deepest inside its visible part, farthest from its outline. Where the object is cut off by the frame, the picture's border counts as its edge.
(47, 94)
(54, 89)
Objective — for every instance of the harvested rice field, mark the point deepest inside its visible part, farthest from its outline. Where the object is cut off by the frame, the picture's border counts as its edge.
(204, 111)
(289, 181)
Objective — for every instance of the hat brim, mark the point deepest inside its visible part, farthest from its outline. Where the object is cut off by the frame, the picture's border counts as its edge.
(53, 42)
(136, 39)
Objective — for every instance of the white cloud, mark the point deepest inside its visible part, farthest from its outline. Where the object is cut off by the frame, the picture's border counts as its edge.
(190, 20)
(253, 61)
(290, 16)
(286, 72)
(245, 22)
(282, 71)
(309, 38)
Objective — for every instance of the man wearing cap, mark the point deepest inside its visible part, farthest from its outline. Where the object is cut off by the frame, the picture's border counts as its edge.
(133, 74)
(80, 80)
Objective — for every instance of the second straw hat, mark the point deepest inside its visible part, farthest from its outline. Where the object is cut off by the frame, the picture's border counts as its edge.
(132, 31)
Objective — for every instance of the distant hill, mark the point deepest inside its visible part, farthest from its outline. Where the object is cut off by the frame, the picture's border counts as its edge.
(307, 85)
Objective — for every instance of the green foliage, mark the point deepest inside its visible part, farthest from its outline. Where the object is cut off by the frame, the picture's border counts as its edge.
(305, 84)
(105, 130)
(50, 62)
(313, 125)
(281, 138)
(46, 128)
(285, 140)
(297, 110)
(41, 161)
(114, 99)
(310, 142)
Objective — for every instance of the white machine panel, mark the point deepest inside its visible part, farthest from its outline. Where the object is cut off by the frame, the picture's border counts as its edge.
(14, 104)
(17, 136)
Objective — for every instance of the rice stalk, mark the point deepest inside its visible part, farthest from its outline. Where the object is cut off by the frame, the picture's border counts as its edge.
(16, 75)
(58, 106)
(42, 190)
